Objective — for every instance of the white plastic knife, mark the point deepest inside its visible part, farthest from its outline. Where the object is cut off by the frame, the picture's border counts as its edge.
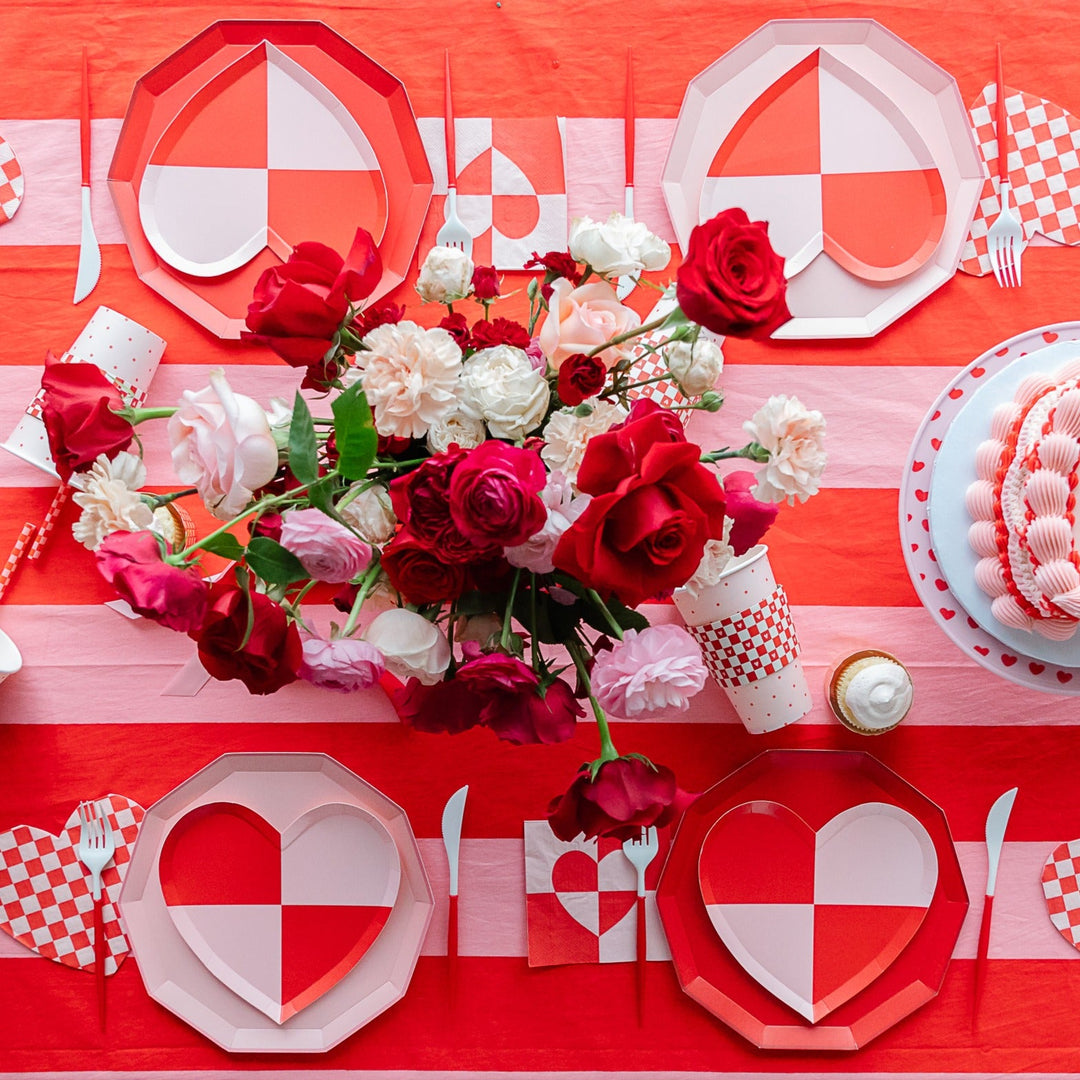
(89, 252)
(452, 816)
(625, 285)
(996, 823)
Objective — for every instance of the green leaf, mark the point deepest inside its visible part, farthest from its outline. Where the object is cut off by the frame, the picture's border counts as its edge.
(354, 433)
(226, 545)
(273, 563)
(303, 446)
(675, 318)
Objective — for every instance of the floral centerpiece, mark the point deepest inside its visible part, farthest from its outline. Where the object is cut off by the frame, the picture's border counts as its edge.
(492, 500)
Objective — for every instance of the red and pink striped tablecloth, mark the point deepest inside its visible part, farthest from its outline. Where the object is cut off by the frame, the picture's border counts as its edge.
(86, 715)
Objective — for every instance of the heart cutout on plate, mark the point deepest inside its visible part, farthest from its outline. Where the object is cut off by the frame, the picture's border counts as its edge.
(816, 915)
(596, 894)
(45, 900)
(834, 166)
(264, 155)
(279, 917)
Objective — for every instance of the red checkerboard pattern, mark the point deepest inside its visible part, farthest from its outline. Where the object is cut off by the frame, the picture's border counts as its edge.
(1061, 887)
(11, 182)
(648, 365)
(750, 644)
(1044, 170)
(45, 900)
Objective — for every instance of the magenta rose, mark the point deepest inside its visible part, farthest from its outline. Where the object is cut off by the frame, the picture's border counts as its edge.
(444, 707)
(132, 563)
(626, 795)
(327, 550)
(495, 494)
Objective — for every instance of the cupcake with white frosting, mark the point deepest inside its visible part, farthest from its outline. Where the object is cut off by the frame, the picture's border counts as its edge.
(870, 691)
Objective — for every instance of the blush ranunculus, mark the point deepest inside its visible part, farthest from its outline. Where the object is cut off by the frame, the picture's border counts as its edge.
(731, 281)
(264, 660)
(327, 550)
(750, 518)
(495, 494)
(132, 563)
(78, 411)
(654, 508)
(343, 665)
(580, 319)
(299, 306)
(581, 377)
(626, 795)
(418, 573)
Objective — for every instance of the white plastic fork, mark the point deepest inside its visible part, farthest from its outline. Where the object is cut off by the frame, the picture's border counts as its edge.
(641, 851)
(95, 851)
(454, 232)
(1005, 239)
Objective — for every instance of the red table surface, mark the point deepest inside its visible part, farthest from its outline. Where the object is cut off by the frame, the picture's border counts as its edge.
(85, 716)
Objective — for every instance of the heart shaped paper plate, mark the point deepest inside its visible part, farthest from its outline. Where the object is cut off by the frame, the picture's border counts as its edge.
(783, 832)
(276, 902)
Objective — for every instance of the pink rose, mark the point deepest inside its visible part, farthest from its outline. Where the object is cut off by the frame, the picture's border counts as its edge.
(343, 665)
(649, 673)
(222, 444)
(580, 319)
(327, 550)
(494, 494)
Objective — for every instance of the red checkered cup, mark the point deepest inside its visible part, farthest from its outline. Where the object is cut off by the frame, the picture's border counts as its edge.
(126, 352)
(748, 641)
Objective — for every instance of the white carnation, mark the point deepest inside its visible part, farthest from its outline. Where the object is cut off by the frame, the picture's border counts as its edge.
(566, 435)
(501, 387)
(794, 437)
(107, 493)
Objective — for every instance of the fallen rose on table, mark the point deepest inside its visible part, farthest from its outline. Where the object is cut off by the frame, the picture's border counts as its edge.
(502, 496)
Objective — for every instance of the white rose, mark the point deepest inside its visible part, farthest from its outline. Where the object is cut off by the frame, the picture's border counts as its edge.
(458, 428)
(564, 508)
(371, 514)
(566, 435)
(619, 245)
(280, 416)
(446, 276)
(695, 366)
(107, 494)
(794, 437)
(222, 444)
(413, 647)
(410, 377)
(501, 387)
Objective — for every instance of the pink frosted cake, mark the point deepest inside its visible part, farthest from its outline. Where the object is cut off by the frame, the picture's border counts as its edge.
(1023, 506)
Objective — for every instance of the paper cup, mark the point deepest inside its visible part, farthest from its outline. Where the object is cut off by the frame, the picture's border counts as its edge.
(10, 657)
(748, 642)
(125, 351)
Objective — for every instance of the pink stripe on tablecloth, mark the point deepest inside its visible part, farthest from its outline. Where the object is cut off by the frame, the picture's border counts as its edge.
(864, 452)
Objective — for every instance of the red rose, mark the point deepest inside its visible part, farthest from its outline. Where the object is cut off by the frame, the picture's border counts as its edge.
(457, 326)
(494, 494)
(78, 411)
(485, 283)
(750, 518)
(174, 596)
(300, 305)
(626, 795)
(416, 571)
(581, 377)
(264, 659)
(512, 703)
(448, 706)
(643, 407)
(731, 281)
(487, 334)
(557, 264)
(654, 507)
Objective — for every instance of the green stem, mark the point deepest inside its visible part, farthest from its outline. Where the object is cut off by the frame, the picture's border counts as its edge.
(504, 637)
(667, 376)
(616, 629)
(137, 416)
(156, 501)
(535, 639)
(618, 339)
(607, 747)
(751, 451)
(366, 583)
(398, 464)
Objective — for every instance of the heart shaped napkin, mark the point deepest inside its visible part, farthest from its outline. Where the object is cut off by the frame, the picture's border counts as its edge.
(1044, 171)
(816, 915)
(45, 900)
(280, 917)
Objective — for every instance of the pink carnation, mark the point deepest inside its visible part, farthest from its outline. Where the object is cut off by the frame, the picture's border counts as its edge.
(649, 673)
(326, 548)
(344, 665)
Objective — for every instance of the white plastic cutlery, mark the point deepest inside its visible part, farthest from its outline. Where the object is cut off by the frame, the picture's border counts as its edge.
(95, 851)
(454, 232)
(625, 285)
(452, 817)
(89, 253)
(996, 823)
(641, 851)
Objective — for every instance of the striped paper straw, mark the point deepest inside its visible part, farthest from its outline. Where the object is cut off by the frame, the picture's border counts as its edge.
(47, 526)
(15, 557)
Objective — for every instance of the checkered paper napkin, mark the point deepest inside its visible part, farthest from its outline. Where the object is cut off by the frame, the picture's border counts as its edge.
(1061, 887)
(12, 183)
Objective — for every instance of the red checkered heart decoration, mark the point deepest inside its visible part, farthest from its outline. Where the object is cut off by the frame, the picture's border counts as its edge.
(750, 644)
(1044, 171)
(45, 900)
(588, 888)
(11, 182)
(1061, 887)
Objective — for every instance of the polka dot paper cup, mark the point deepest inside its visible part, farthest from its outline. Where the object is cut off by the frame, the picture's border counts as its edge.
(126, 352)
(748, 641)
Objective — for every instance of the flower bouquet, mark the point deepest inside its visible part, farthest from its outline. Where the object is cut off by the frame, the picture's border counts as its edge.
(491, 499)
